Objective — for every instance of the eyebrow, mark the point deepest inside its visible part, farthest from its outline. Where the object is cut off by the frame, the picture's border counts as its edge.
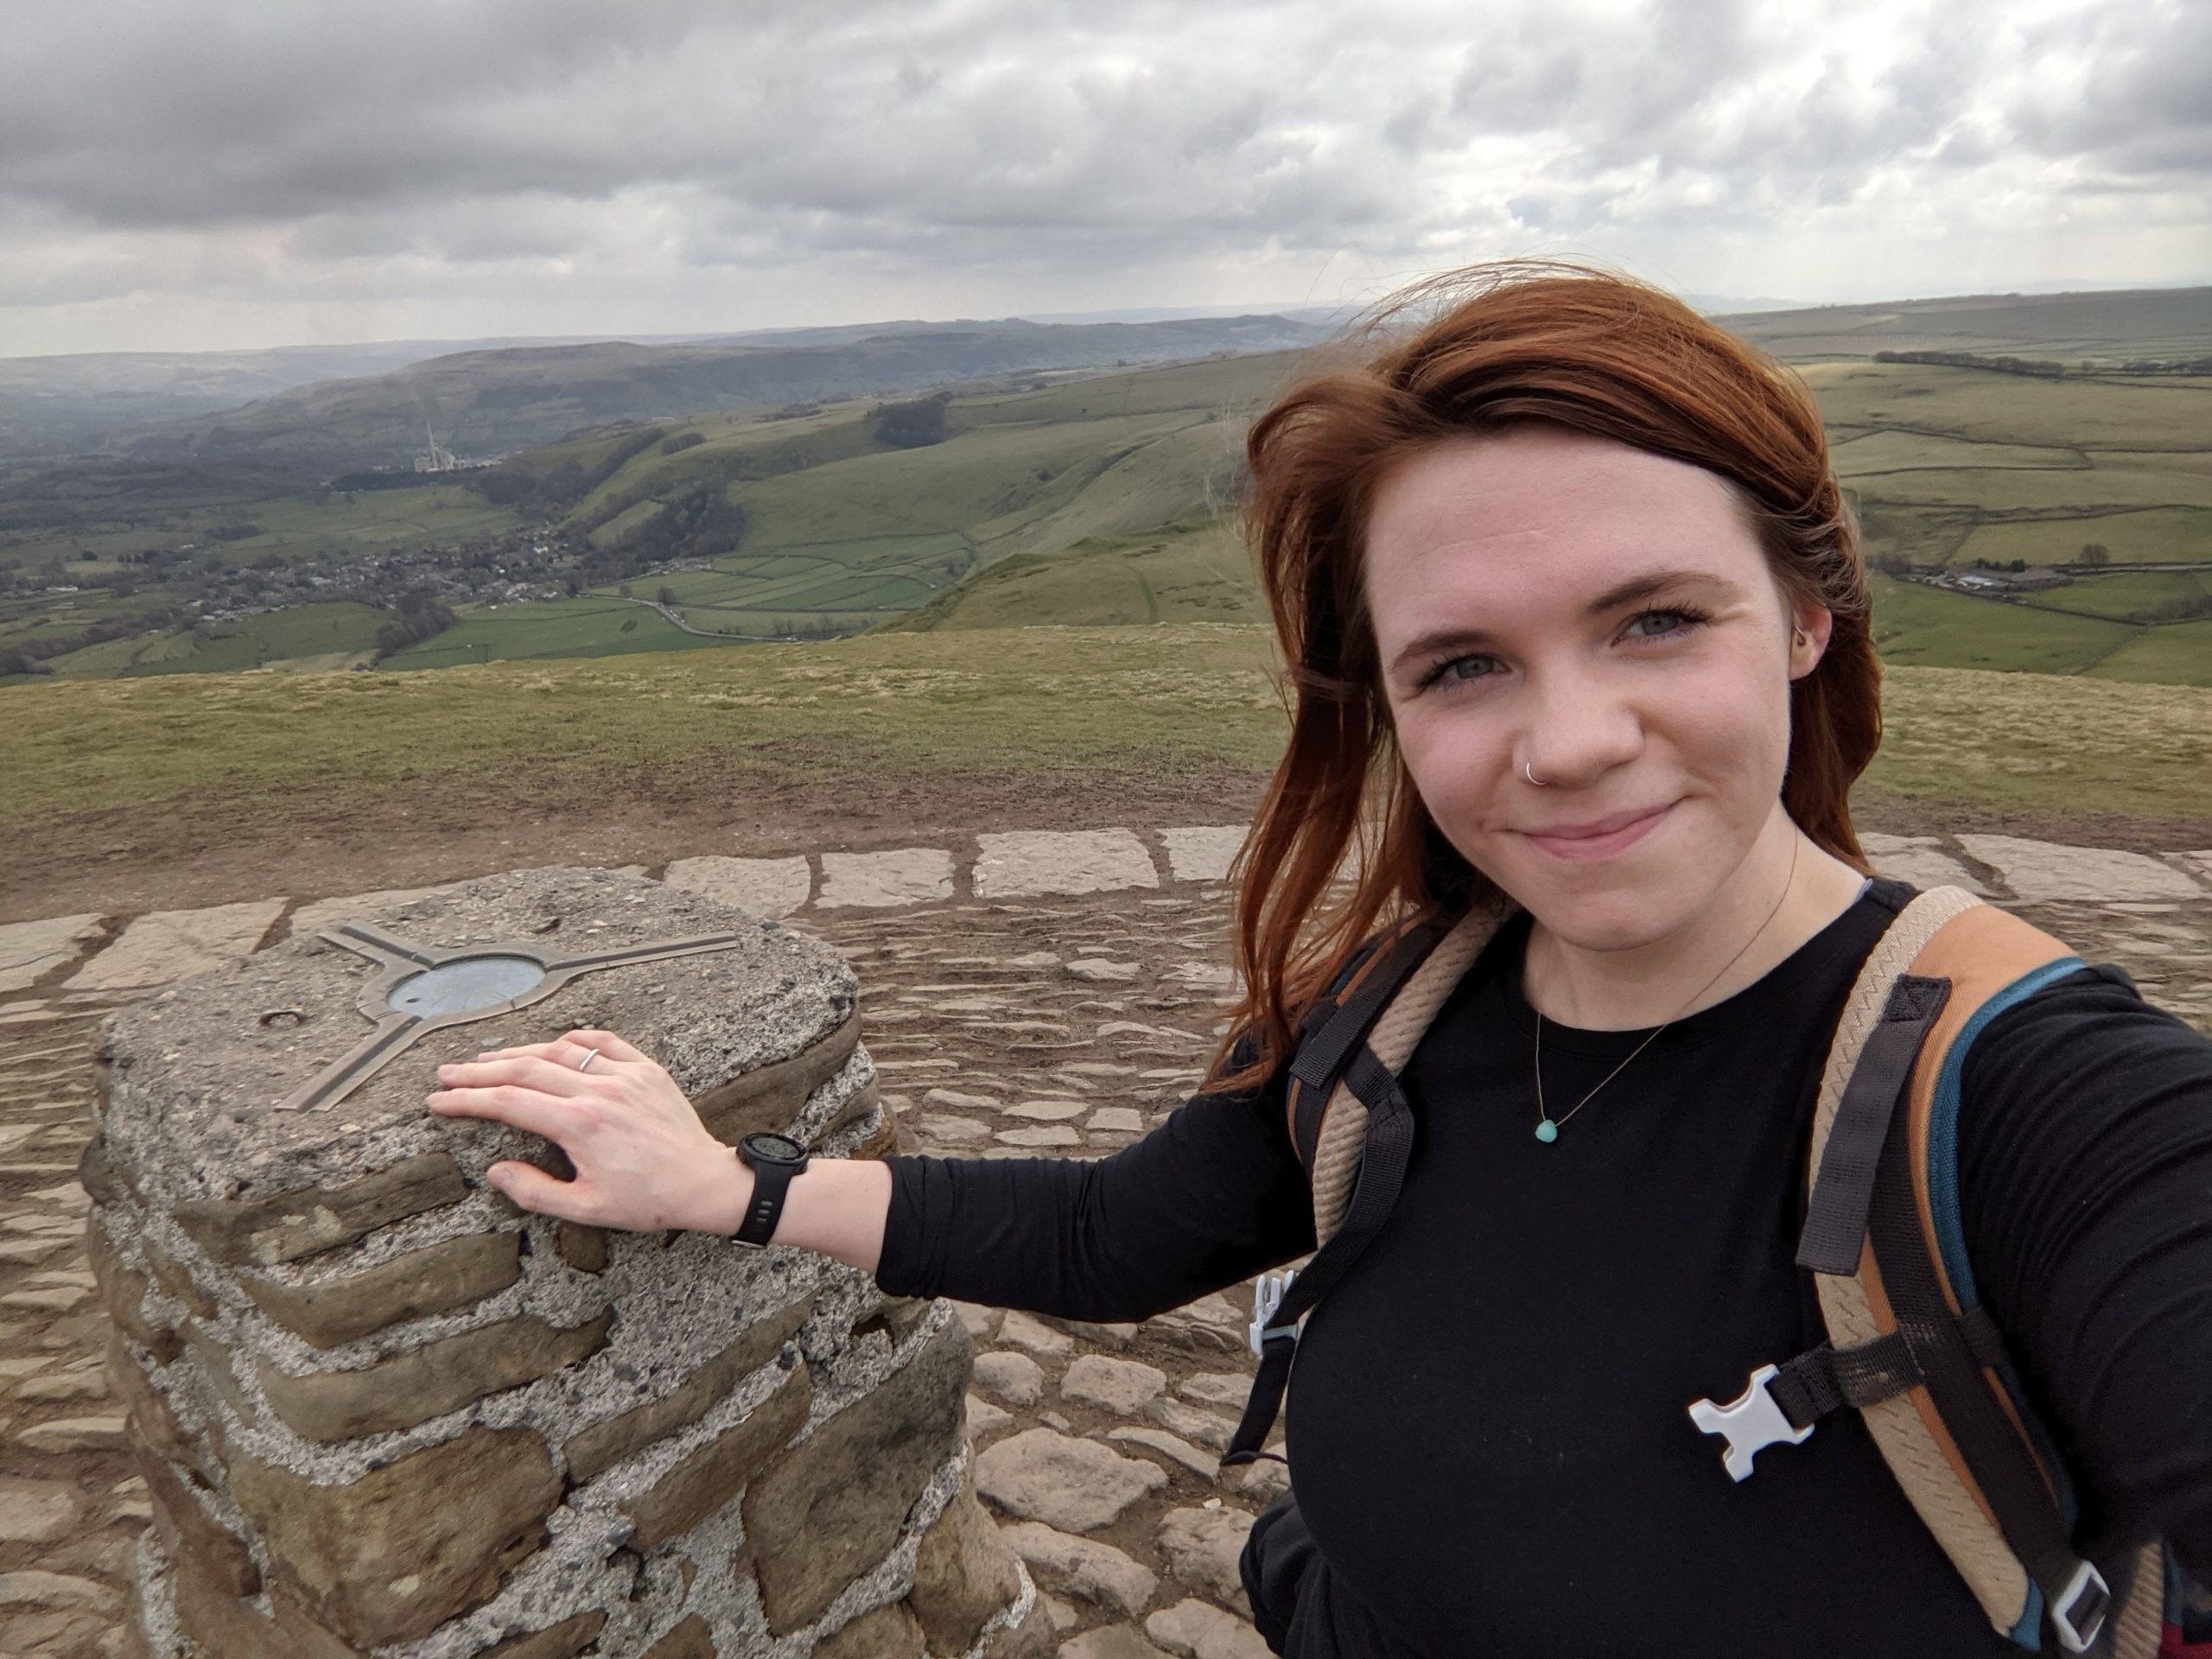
(1627, 592)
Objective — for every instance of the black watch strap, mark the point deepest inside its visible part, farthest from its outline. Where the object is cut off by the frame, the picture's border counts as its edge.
(771, 1179)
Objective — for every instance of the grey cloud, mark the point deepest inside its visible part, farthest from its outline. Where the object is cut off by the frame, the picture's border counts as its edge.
(2142, 101)
(375, 144)
(1511, 84)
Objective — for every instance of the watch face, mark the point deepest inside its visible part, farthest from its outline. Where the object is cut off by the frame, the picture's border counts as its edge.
(772, 1148)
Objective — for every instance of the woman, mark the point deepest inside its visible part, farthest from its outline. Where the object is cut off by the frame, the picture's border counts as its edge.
(1575, 615)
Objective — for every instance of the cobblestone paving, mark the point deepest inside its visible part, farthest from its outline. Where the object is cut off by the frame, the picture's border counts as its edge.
(71, 1507)
(1059, 1026)
(1069, 1028)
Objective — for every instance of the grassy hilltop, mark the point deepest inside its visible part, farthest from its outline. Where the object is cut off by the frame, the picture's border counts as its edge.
(865, 739)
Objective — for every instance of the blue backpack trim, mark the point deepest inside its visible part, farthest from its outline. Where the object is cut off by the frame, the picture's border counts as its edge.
(1950, 1231)
(1943, 1124)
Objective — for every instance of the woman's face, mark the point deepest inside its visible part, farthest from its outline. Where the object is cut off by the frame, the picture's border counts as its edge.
(1605, 617)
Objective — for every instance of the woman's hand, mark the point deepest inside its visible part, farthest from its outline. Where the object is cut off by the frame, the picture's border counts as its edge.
(643, 1159)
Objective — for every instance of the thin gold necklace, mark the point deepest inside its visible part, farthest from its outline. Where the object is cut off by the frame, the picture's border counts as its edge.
(1547, 1125)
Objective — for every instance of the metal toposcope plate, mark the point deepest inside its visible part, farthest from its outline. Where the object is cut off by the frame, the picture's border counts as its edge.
(422, 988)
(472, 984)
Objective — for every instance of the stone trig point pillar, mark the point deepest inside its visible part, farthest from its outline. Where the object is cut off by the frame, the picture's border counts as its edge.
(383, 1410)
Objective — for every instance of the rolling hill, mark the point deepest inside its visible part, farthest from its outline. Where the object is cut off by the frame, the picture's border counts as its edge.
(1098, 497)
(2102, 327)
(495, 402)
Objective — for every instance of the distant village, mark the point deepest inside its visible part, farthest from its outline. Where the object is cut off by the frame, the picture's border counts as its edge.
(196, 586)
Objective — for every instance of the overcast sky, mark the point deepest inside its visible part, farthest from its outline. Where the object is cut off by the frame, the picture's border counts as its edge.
(197, 174)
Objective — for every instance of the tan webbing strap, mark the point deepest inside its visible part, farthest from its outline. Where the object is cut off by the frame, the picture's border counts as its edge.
(1856, 1311)
(1892, 955)
(1377, 960)
(1395, 1036)
(2140, 1625)
(1981, 952)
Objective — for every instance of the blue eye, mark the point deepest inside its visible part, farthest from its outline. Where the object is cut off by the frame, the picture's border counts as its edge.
(1467, 669)
(1687, 621)
(1459, 670)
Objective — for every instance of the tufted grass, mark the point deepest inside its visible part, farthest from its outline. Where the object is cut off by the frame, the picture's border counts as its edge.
(1163, 699)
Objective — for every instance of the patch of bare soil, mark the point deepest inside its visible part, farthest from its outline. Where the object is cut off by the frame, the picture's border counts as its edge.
(2083, 827)
(210, 850)
(206, 849)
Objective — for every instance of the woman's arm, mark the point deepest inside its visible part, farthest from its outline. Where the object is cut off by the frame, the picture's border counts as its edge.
(643, 1161)
(1208, 1198)
(2086, 1191)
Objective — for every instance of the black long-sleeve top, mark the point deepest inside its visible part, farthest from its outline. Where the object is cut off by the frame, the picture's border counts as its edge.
(1486, 1421)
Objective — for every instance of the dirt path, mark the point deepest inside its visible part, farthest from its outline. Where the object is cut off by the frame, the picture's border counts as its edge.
(195, 850)
(207, 850)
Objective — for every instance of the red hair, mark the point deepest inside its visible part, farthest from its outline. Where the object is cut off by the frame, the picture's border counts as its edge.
(1474, 352)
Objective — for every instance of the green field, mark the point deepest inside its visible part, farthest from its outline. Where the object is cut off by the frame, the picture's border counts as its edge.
(889, 525)
(374, 520)
(2180, 655)
(1923, 626)
(1948, 466)
(556, 628)
(2161, 535)
(436, 515)
(306, 637)
(1198, 572)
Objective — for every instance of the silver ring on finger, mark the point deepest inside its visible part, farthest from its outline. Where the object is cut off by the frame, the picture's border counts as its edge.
(584, 1065)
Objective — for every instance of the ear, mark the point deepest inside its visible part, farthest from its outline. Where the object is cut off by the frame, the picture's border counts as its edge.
(1810, 629)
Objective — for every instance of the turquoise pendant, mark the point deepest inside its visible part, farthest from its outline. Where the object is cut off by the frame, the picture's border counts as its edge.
(1547, 1131)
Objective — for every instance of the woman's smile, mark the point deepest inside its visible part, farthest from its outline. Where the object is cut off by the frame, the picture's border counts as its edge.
(1600, 839)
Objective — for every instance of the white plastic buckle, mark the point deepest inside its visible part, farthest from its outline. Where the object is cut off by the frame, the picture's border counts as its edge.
(2086, 1577)
(1267, 1292)
(1750, 1423)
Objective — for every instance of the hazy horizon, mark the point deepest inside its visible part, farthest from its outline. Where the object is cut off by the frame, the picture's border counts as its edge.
(1717, 304)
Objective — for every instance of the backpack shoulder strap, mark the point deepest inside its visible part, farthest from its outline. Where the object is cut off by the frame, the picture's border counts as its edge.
(1336, 1024)
(1374, 1030)
(1884, 1240)
(1994, 960)
(1353, 1127)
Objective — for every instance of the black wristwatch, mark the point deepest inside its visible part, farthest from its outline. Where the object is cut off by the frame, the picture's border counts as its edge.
(773, 1159)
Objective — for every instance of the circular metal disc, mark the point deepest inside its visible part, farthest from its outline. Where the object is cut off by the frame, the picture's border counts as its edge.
(464, 986)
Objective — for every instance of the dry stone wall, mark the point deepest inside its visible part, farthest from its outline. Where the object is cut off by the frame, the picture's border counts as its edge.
(378, 1409)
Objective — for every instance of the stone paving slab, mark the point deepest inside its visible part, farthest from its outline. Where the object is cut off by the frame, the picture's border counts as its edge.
(30, 950)
(911, 875)
(166, 944)
(311, 918)
(1024, 864)
(1202, 854)
(2042, 872)
(1921, 861)
(1017, 865)
(771, 887)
